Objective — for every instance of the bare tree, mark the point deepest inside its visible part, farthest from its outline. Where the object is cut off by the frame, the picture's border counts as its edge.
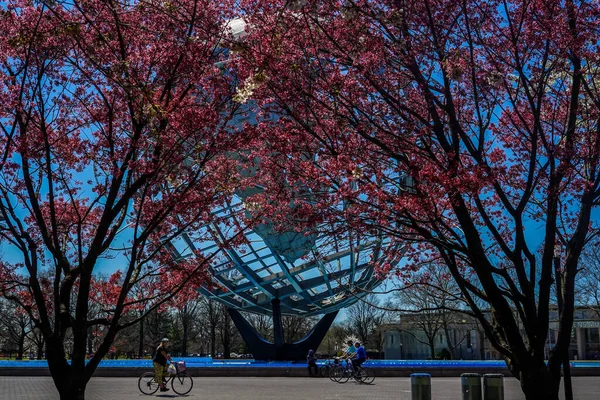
(365, 316)
(228, 333)
(212, 318)
(187, 318)
(262, 323)
(296, 327)
(433, 304)
(588, 284)
(425, 317)
(17, 326)
(37, 340)
(333, 343)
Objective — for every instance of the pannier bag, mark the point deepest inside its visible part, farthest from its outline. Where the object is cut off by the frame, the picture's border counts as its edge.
(181, 366)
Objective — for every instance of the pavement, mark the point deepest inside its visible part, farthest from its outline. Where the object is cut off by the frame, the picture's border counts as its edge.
(42, 388)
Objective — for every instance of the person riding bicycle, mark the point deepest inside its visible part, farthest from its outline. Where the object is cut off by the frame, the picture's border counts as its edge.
(350, 351)
(360, 357)
(160, 363)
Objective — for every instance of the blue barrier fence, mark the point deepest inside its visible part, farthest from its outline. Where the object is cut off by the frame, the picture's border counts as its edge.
(203, 362)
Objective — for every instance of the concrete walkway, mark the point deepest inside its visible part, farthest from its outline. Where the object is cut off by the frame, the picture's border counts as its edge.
(42, 388)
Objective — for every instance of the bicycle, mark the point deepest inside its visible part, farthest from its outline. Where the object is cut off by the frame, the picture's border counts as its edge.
(343, 373)
(325, 369)
(181, 381)
(364, 375)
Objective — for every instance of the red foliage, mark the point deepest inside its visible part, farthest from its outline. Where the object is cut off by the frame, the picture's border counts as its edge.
(116, 135)
(454, 126)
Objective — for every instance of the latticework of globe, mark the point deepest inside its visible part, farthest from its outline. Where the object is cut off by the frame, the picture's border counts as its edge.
(309, 274)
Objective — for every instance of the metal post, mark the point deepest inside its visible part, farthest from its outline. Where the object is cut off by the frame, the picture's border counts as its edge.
(470, 386)
(493, 387)
(277, 324)
(420, 386)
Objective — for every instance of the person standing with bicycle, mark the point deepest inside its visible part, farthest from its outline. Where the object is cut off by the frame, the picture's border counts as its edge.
(160, 363)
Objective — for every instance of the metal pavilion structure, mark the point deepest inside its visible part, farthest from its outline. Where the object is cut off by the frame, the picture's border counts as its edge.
(283, 273)
(308, 274)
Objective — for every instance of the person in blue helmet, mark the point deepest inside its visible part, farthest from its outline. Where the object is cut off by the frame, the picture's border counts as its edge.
(360, 356)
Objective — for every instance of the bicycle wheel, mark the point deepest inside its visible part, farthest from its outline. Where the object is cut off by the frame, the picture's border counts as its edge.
(364, 375)
(182, 383)
(368, 376)
(359, 375)
(332, 372)
(324, 371)
(341, 375)
(147, 384)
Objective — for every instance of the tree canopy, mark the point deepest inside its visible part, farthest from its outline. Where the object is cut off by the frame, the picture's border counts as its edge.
(469, 130)
(114, 130)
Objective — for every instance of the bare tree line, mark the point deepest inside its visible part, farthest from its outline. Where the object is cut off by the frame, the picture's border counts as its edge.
(430, 304)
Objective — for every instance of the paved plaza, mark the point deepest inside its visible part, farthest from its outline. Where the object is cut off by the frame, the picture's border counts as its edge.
(37, 388)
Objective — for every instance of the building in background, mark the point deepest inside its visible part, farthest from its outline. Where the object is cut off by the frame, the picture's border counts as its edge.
(433, 335)
(455, 336)
(585, 336)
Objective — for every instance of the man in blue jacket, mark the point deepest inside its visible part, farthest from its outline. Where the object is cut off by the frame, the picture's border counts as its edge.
(360, 357)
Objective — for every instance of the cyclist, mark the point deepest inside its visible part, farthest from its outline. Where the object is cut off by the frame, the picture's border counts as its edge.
(360, 357)
(350, 351)
(160, 363)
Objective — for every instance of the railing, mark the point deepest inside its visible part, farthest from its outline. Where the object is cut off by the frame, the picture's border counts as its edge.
(207, 362)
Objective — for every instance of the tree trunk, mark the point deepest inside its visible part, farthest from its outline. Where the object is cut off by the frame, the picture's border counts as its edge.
(90, 341)
(225, 331)
(71, 379)
(226, 351)
(141, 340)
(184, 339)
(74, 391)
(21, 347)
(60, 370)
(449, 342)
(481, 344)
(567, 379)
(538, 384)
(40, 349)
(70, 382)
(213, 341)
(226, 345)
(432, 348)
